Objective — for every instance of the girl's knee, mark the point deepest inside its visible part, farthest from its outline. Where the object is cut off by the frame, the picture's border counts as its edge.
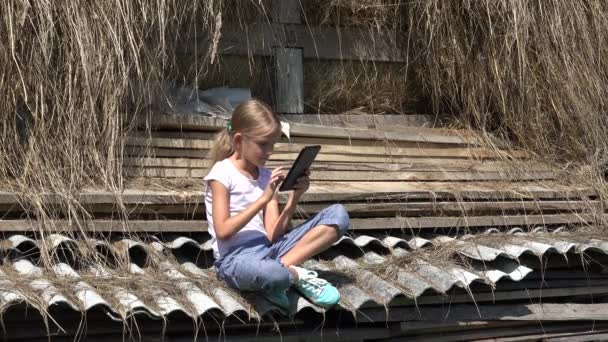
(255, 275)
(339, 213)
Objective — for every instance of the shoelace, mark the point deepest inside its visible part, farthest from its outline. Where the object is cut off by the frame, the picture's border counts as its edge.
(315, 285)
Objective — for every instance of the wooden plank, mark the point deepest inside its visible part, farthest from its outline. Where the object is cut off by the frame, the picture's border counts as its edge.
(105, 226)
(307, 140)
(455, 208)
(355, 223)
(353, 191)
(299, 140)
(421, 164)
(364, 121)
(183, 122)
(468, 222)
(290, 157)
(384, 151)
(183, 211)
(203, 144)
(362, 209)
(368, 176)
(137, 151)
(296, 147)
(167, 162)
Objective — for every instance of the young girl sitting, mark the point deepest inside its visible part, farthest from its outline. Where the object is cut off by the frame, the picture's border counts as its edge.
(253, 248)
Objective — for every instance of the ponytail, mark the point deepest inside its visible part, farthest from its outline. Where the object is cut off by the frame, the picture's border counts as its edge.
(222, 148)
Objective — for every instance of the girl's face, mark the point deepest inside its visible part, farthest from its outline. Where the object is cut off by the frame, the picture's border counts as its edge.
(257, 150)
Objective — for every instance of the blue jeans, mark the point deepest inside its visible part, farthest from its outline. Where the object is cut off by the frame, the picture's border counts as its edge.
(256, 266)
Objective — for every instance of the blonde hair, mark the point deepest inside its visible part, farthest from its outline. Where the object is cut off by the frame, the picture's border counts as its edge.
(252, 118)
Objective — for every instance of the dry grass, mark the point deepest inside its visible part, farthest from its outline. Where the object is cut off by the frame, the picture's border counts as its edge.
(69, 75)
(359, 87)
(530, 72)
(372, 14)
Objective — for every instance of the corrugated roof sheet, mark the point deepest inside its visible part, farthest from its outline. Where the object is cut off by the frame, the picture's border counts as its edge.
(169, 273)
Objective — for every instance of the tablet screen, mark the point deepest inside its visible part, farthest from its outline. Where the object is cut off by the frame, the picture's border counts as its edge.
(303, 162)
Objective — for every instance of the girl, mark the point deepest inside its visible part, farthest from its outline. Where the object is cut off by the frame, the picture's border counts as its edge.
(253, 248)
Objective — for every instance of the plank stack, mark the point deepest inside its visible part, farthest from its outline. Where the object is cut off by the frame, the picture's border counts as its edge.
(411, 178)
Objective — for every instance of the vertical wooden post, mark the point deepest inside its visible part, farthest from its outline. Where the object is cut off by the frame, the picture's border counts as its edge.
(288, 61)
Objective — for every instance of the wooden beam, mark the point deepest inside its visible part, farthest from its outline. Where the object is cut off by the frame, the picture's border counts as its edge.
(368, 176)
(183, 122)
(467, 222)
(415, 156)
(353, 191)
(382, 151)
(417, 164)
(404, 209)
(207, 136)
(456, 208)
(355, 224)
(342, 141)
(390, 122)
(105, 226)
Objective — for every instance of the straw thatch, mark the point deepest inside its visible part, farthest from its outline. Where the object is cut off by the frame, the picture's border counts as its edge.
(530, 71)
(69, 74)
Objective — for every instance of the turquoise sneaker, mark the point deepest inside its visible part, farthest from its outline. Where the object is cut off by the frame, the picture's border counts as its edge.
(278, 298)
(318, 291)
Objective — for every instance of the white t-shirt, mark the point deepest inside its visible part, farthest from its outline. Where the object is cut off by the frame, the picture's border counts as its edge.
(242, 192)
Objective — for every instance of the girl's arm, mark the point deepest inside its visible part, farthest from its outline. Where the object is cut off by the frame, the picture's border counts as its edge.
(225, 225)
(275, 223)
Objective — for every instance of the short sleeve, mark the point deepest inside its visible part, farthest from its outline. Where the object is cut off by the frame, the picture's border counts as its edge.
(219, 173)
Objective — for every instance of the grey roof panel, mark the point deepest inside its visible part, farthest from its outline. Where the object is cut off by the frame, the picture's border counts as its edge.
(195, 291)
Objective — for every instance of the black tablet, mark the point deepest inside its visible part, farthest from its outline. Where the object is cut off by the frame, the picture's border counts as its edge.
(299, 167)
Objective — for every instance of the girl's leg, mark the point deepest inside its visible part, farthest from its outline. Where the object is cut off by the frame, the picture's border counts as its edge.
(253, 270)
(312, 237)
(318, 239)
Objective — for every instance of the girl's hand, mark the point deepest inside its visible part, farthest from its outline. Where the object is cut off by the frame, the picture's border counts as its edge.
(276, 177)
(302, 184)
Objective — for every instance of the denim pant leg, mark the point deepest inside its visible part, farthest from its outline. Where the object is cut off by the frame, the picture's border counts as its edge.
(253, 270)
(334, 215)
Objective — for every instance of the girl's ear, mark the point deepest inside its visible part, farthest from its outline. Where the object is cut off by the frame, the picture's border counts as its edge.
(237, 140)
